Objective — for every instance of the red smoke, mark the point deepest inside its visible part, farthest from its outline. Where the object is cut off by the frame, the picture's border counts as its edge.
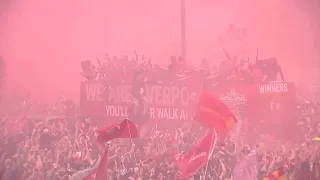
(43, 42)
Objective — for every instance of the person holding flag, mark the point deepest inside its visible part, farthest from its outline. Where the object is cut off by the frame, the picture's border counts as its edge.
(218, 117)
(126, 129)
(197, 156)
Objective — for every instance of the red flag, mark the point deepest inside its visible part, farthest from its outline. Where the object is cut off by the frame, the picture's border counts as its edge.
(126, 129)
(103, 167)
(197, 156)
(215, 114)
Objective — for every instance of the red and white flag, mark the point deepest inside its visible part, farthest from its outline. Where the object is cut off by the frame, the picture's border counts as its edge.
(197, 156)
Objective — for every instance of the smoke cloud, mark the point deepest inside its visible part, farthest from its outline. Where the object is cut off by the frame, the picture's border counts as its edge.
(43, 42)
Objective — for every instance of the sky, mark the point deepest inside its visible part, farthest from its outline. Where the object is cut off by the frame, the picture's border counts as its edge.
(44, 41)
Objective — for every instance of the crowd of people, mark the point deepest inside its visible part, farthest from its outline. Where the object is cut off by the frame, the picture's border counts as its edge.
(56, 148)
(124, 69)
(112, 69)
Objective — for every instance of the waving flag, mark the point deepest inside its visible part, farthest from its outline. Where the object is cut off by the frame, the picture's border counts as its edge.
(126, 129)
(215, 114)
(197, 156)
(101, 173)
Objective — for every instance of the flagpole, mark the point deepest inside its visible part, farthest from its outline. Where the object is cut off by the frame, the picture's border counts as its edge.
(214, 135)
(134, 153)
